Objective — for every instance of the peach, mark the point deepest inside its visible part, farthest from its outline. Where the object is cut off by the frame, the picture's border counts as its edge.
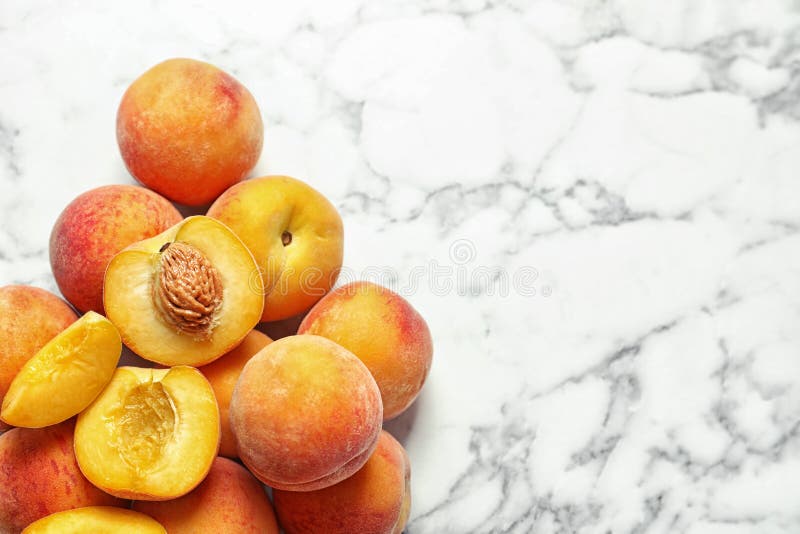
(151, 434)
(229, 501)
(306, 413)
(65, 376)
(95, 226)
(185, 296)
(295, 235)
(39, 476)
(97, 520)
(399, 358)
(222, 374)
(29, 318)
(189, 130)
(375, 500)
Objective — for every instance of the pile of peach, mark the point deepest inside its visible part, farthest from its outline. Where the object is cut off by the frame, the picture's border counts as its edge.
(187, 443)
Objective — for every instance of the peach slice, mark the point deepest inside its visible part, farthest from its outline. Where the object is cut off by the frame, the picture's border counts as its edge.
(222, 374)
(152, 434)
(229, 501)
(97, 520)
(29, 318)
(375, 500)
(306, 413)
(295, 235)
(186, 296)
(399, 358)
(65, 376)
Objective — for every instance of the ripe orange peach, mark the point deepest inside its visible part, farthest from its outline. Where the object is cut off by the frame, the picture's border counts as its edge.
(95, 226)
(29, 318)
(222, 374)
(295, 235)
(229, 501)
(375, 500)
(189, 130)
(399, 357)
(40, 476)
(306, 413)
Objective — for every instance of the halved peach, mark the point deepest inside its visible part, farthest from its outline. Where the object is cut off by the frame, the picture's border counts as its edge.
(65, 376)
(186, 296)
(152, 434)
(97, 520)
(295, 235)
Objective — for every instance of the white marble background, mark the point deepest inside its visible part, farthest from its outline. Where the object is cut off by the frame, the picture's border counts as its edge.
(609, 191)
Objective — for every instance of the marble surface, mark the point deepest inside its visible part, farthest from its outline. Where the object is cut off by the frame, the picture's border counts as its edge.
(594, 203)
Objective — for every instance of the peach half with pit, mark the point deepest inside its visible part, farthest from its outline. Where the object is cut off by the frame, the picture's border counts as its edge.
(295, 235)
(185, 296)
(97, 520)
(65, 376)
(152, 434)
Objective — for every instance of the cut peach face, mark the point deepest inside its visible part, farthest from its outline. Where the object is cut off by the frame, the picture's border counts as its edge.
(65, 376)
(295, 235)
(375, 500)
(306, 413)
(399, 358)
(222, 374)
(186, 296)
(152, 434)
(29, 318)
(98, 520)
(229, 501)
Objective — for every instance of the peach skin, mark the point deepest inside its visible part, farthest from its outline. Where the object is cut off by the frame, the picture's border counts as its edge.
(189, 130)
(29, 318)
(399, 358)
(295, 235)
(222, 374)
(40, 476)
(95, 226)
(305, 413)
(229, 501)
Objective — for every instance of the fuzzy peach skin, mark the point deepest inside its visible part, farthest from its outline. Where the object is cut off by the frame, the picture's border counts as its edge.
(399, 357)
(229, 501)
(305, 413)
(189, 130)
(29, 318)
(93, 228)
(375, 500)
(295, 235)
(39, 476)
(222, 374)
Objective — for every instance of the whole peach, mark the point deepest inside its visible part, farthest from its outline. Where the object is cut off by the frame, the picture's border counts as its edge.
(189, 130)
(305, 413)
(40, 476)
(222, 374)
(29, 318)
(399, 358)
(93, 228)
(229, 501)
(375, 500)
